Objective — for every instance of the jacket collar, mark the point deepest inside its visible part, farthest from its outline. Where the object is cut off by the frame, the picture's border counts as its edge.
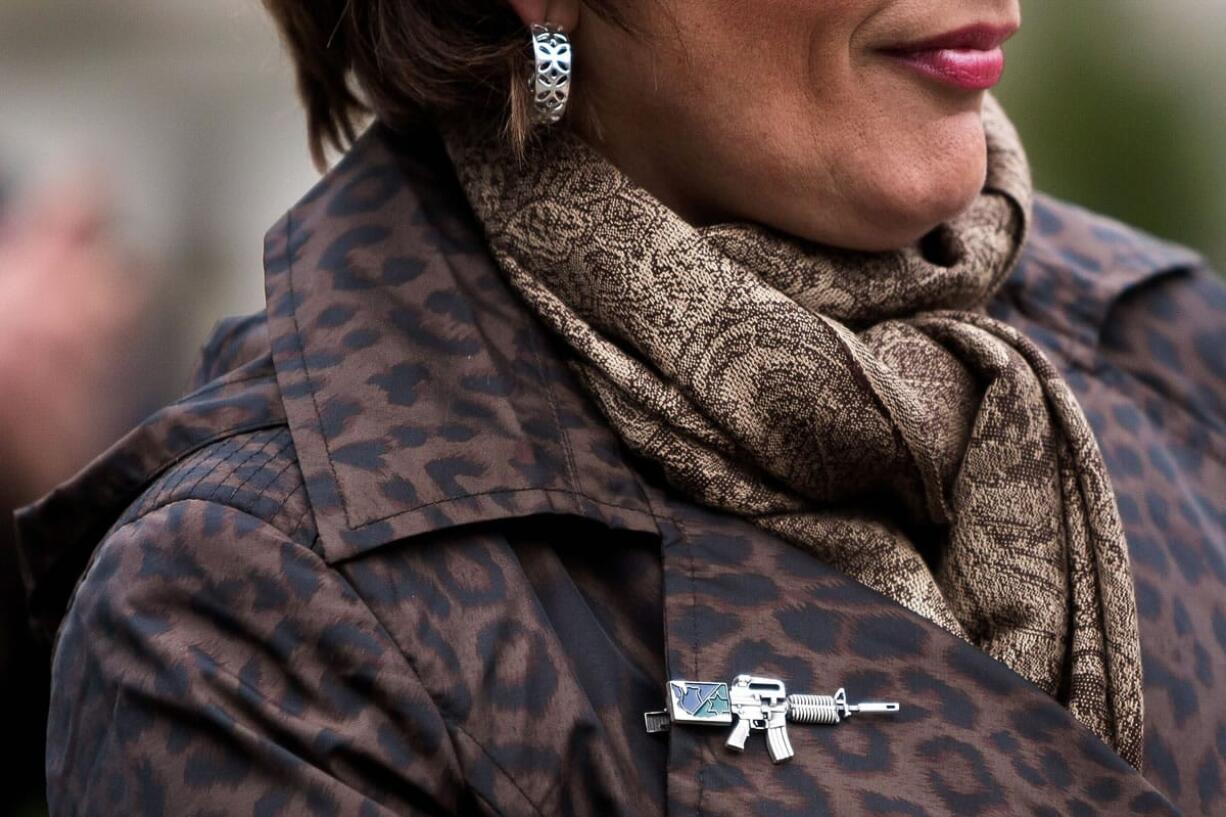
(1074, 269)
(419, 392)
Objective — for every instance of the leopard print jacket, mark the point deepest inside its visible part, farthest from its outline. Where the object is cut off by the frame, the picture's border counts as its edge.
(387, 558)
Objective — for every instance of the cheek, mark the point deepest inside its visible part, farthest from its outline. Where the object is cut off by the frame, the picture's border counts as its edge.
(782, 77)
(771, 54)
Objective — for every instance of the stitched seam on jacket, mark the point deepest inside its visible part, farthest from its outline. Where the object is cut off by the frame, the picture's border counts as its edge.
(161, 468)
(250, 456)
(485, 801)
(702, 746)
(173, 482)
(306, 372)
(493, 761)
(232, 445)
(298, 484)
(176, 478)
(233, 471)
(298, 525)
(290, 461)
(575, 480)
(163, 499)
(503, 491)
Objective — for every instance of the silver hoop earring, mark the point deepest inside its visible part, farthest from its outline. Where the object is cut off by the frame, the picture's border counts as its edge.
(551, 77)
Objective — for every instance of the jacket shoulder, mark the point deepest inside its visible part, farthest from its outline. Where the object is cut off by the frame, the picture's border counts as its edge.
(199, 643)
(1092, 245)
(225, 441)
(1075, 269)
(254, 472)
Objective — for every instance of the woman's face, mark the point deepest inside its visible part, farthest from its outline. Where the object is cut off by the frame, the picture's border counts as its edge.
(854, 123)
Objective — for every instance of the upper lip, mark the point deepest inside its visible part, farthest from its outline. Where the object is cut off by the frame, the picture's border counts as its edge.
(975, 37)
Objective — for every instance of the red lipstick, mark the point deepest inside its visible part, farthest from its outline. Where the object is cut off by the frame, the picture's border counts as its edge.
(969, 58)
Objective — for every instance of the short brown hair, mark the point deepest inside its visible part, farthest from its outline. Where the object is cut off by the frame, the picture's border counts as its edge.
(404, 61)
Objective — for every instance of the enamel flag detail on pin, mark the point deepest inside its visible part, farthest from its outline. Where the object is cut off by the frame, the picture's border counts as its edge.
(699, 702)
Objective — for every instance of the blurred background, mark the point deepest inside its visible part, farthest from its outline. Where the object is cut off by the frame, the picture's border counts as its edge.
(145, 146)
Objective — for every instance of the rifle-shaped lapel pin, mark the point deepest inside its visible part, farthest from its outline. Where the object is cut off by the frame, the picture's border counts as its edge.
(753, 704)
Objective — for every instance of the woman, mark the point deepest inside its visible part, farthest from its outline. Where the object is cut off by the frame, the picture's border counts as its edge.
(746, 350)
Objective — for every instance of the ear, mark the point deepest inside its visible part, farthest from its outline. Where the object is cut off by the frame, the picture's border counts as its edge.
(562, 13)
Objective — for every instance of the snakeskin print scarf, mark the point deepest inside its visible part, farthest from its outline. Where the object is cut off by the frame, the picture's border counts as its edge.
(859, 405)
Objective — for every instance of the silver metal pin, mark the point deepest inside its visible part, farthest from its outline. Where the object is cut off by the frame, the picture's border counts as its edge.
(752, 704)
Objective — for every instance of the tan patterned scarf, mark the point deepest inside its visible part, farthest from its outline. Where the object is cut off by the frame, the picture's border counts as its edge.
(861, 406)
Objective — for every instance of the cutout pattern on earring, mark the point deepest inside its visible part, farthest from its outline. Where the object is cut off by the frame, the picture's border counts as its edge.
(551, 79)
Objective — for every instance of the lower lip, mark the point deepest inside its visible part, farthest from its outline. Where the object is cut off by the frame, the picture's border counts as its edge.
(970, 70)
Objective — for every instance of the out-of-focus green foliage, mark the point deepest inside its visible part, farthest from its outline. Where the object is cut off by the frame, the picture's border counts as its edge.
(1125, 116)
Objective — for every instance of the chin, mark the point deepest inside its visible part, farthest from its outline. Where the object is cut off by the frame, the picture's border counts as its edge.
(923, 191)
(899, 219)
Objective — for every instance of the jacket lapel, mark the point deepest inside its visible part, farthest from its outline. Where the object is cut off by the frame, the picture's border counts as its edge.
(418, 391)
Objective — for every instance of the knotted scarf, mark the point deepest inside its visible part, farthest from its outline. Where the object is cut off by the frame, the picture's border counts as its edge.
(859, 405)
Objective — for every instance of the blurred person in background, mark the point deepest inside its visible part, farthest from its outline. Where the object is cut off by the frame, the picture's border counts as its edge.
(702, 360)
(74, 316)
